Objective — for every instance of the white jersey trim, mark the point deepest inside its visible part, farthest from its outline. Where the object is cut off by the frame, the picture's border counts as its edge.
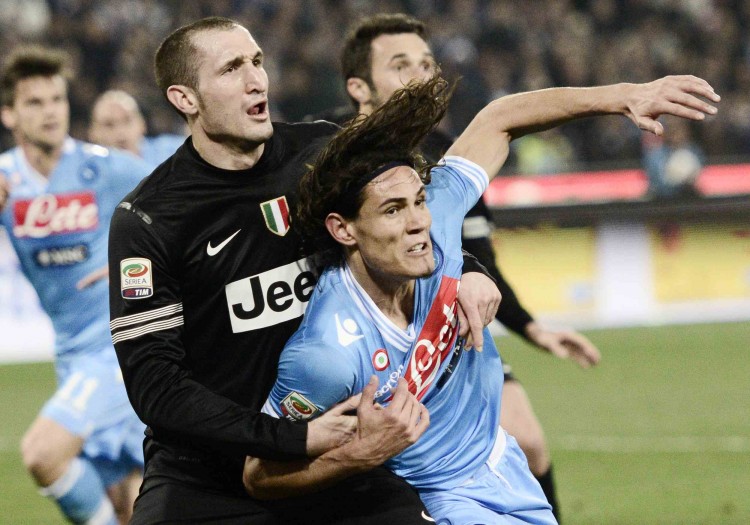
(473, 171)
(269, 409)
(145, 316)
(147, 329)
(399, 338)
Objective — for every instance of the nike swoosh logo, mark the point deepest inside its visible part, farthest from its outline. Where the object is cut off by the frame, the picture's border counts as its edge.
(211, 251)
(344, 334)
(426, 517)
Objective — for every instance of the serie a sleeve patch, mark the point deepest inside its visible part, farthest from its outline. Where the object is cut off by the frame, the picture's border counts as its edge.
(136, 278)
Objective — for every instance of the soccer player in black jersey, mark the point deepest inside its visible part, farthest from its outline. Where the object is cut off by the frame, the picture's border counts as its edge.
(207, 282)
(382, 53)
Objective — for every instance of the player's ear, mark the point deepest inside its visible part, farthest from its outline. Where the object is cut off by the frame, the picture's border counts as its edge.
(359, 90)
(8, 117)
(183, 98)
(339, 229)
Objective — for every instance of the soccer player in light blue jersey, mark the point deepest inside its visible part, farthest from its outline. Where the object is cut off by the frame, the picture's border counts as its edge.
(117, 122)
(58, 194)
(384, 309)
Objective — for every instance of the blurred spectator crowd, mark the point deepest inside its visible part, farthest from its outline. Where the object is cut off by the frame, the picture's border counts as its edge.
(496, 47)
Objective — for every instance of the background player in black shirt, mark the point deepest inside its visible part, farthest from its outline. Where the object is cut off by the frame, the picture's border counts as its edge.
(208, 280)
(381, 54)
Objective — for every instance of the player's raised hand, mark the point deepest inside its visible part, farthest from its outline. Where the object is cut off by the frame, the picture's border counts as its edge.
(679, 95)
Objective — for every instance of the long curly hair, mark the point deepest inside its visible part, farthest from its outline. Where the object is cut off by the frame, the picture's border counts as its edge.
(392, 133)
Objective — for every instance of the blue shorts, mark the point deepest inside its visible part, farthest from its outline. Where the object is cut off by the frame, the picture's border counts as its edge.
(502, 491)
(91, 402)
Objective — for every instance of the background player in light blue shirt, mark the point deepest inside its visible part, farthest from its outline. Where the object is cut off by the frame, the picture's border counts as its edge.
(117, 122)
(57, 199)
(385, 306)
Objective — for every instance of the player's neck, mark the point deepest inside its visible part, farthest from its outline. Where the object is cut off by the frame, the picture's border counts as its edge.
(42, 159)
(227, 156)
(366, 109)
(393, 297)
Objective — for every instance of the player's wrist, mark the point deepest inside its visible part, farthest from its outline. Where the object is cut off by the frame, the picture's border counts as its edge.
(354, 457)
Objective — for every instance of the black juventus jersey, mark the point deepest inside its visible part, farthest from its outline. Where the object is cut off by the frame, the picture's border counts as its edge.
(208, 282)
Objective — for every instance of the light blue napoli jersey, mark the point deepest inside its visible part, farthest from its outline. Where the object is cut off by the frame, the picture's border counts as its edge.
(157, 149)
(58, 226)
(344, 339)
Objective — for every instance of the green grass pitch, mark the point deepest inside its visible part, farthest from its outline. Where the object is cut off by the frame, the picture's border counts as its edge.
(658, 433)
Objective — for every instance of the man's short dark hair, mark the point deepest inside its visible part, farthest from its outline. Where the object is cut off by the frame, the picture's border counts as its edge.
(30, 61)
(176, 61)
(356, 57)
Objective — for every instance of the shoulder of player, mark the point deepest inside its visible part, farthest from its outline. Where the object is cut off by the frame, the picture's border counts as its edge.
(112, 159)
(165, 141)
(332, 320)
(7, 161)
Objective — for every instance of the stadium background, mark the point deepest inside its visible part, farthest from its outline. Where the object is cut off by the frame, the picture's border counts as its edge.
(659, 433)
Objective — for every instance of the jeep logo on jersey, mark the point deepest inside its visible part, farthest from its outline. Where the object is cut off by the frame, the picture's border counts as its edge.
(276, 214)
(136, 280)
(435, 340)
(270, 298)
(47, 215)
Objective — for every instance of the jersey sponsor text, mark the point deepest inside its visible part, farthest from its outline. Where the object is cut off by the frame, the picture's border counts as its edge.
(435, 340)
(269, 298)
(48, 214)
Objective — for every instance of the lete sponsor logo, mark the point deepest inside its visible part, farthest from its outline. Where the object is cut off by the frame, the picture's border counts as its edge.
(59, 214)
(136, 280)
(435, 340)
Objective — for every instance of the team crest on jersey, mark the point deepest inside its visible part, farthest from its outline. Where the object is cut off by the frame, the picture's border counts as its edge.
(380, 360)
(276, 214)
(136, 279)
(89, 172)
(297, 407)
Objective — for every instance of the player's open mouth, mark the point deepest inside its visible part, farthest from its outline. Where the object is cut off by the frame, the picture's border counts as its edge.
(418, 248)
(258, 109)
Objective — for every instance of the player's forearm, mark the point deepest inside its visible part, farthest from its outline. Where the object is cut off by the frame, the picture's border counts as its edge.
(267, 480)
(167, 399)
(486, 140)
(523, 113)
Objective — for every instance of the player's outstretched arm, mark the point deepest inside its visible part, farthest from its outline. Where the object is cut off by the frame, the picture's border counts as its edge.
(486, 139)
(381, 433)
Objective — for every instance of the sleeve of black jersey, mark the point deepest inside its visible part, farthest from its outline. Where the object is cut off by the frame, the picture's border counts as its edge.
(472, 264)
(510, 313)
(147, 333)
